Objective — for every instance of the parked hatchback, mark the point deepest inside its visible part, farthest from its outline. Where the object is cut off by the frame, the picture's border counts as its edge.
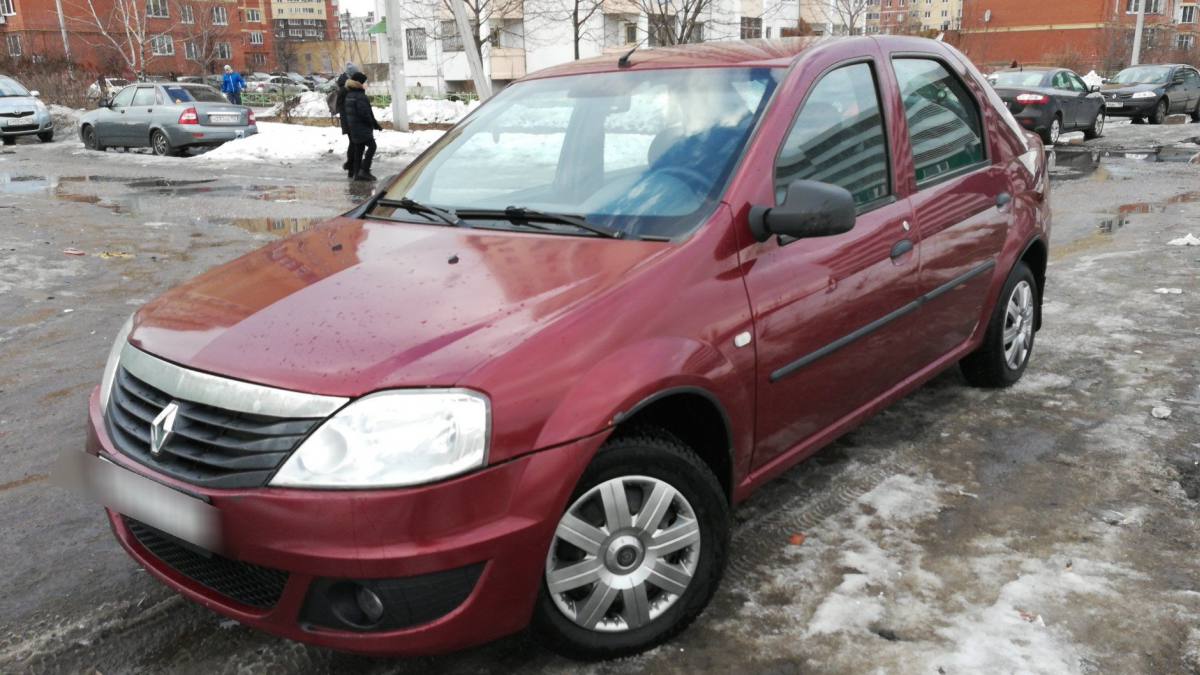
(168, 118)
(527, 382)
(22, 113)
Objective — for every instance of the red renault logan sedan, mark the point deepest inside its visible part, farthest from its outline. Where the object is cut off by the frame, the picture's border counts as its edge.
(526, 382)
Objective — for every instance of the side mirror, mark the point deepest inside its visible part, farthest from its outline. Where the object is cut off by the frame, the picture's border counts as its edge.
(35, 93)
(1094, 88)
(107, 102)
(809, 209)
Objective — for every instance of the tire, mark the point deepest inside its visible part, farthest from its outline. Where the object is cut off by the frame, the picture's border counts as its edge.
(90, 139)
(642, 463)
(1097, 129)
(46, 136)
(10, 140)
(1051, 135)
(991, 365)
(1196, 113)
(161, 145)
(1137, 119)
(1160, 112)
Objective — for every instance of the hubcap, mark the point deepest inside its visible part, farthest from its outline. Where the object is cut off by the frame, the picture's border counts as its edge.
(1018, 325)
(623, 554)
(1100, 123)
(1055, 131)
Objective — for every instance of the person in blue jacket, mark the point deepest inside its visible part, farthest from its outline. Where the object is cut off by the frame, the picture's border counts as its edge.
(232, 86)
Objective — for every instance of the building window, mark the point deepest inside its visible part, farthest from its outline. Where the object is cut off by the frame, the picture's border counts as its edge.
(258, 59)
(14, 44)
(253, 16)
(1188, 14)
(220, 16)
(1185, 41)
(158, 9)
(1152, 6)
(162, 45)
(7, 8)
(451, 40)
(631, 33)
(415, 37)
(191, 51)
(186, 15)
(751, 28)
(224, 51)
(256, 37)
(698, 32)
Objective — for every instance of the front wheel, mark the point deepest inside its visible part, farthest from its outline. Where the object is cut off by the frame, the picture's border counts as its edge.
(638, 553)
(46, 136)
(160, 144)
(1160, 112)
(10, 140)
(1001, 359)
(90, 139)
(1196, 113)
(1097, 129)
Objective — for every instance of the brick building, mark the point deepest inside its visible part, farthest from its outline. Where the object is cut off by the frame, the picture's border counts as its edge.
(182, 37)
(1080, 34)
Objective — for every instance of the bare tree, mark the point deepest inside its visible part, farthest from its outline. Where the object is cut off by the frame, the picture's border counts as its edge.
(674, 22)
(125, 29)
(204, 28)
(578, 12)
(848, 16)
(480, 13)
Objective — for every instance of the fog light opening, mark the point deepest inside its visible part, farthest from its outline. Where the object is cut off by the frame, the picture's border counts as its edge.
(355, 604)
(370, 604)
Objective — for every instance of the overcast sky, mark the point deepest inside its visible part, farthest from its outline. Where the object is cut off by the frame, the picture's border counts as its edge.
(356, 7)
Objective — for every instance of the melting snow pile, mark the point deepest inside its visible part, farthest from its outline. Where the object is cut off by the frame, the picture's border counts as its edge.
(420, 111)
(293, 143)
(1189, 240)
(1093, 79)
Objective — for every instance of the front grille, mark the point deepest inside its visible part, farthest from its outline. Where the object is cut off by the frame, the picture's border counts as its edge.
(246, 583)
(16, 113)
(19, 127)
(210, 446)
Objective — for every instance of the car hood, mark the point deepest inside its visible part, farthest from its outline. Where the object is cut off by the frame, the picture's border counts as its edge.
(1128, 88)
(356, 306)
(10, 104)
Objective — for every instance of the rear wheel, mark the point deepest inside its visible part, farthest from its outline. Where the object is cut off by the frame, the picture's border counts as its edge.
(1097, 129)
(1051, 135)
(160, 145)
(638, 553)
(1196, 113)
(1160, 112)
(46, 136)
(91, 141)
(1001, 359)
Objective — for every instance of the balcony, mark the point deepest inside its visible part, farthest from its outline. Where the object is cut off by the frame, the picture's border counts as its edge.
(507, 63)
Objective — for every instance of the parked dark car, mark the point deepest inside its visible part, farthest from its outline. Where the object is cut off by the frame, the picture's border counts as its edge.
(1051, 101)
(527, 381)
(1152, 92)
(168, 118)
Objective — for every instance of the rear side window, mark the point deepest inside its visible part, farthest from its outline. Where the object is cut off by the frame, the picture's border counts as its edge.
(178, 94)
(838, 138)
(943, 119)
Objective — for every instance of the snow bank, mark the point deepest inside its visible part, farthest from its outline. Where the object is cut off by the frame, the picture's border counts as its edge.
(294, 143)
(420, 111)
(1093, 79)
(64, 118)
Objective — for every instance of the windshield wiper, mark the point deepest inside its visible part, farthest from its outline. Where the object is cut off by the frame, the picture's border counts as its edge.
(522, 215)
(412, 206)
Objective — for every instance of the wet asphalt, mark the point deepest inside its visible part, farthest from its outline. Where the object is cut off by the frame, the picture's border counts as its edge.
(1043, 466)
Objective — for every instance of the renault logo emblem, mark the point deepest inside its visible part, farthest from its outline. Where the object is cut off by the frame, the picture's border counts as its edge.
(163, 428)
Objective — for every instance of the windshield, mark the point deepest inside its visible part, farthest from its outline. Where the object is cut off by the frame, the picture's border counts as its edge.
(1143, 75)
(642, 153)
(189, 93)
(9, 87)
(1017, 78)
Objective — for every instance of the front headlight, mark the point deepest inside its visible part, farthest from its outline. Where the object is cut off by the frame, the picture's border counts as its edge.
(1145, 94)
(393, 439)
(114, 359)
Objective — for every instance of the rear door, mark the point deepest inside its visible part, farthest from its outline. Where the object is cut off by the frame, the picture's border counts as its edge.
(834, 316)
(961, 202)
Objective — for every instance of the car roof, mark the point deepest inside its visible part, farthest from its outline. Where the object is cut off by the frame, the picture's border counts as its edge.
(1031, 69)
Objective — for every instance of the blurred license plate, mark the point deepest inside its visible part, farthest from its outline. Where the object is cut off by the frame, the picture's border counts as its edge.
(188, 518)
(1114, 104)
(225, 118)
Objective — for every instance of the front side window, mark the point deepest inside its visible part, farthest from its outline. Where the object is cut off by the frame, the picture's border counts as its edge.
(838, 138)
(124, 97)
(944, 121)
(641, 152)
(1076, 83)
(144, 96)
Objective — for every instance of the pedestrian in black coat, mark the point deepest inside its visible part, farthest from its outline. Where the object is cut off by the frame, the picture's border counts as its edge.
(339, 105)
(360, 122)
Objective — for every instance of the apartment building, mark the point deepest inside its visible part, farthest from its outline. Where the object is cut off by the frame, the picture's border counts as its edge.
(521, 37)
(913, 17)
(1083, 34)
(353, 28)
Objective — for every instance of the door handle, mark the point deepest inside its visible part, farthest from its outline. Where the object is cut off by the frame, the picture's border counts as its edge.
(900, 248)
(1003, 199)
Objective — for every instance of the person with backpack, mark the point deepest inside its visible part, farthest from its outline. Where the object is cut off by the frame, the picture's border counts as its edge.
(359, 119)
(232, 85)
(337, 106)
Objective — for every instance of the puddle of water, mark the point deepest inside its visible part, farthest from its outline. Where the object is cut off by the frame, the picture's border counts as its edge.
(1081, 162)
(279, 227)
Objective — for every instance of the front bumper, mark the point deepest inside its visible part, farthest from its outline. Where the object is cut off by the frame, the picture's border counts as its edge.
(182, 135)
(495, 524)
(39, 123)
(1134, 107)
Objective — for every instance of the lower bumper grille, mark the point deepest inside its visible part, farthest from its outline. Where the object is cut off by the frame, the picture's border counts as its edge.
(20, 127)
(248, 584)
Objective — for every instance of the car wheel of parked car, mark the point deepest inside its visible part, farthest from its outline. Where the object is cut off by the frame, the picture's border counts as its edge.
(160, 144)
(90, 140)
(1196, 113)
(46, 136)
(639, 551)
(1097, 129)
(10, 140)
(1160, 112)
(1050, 136)
(1008, 343)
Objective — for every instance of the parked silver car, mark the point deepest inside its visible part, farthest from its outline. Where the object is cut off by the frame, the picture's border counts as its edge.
(167, 117)
(22, 114)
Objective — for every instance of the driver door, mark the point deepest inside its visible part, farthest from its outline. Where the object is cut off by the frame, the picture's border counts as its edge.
(110, 126)
(834, 316)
